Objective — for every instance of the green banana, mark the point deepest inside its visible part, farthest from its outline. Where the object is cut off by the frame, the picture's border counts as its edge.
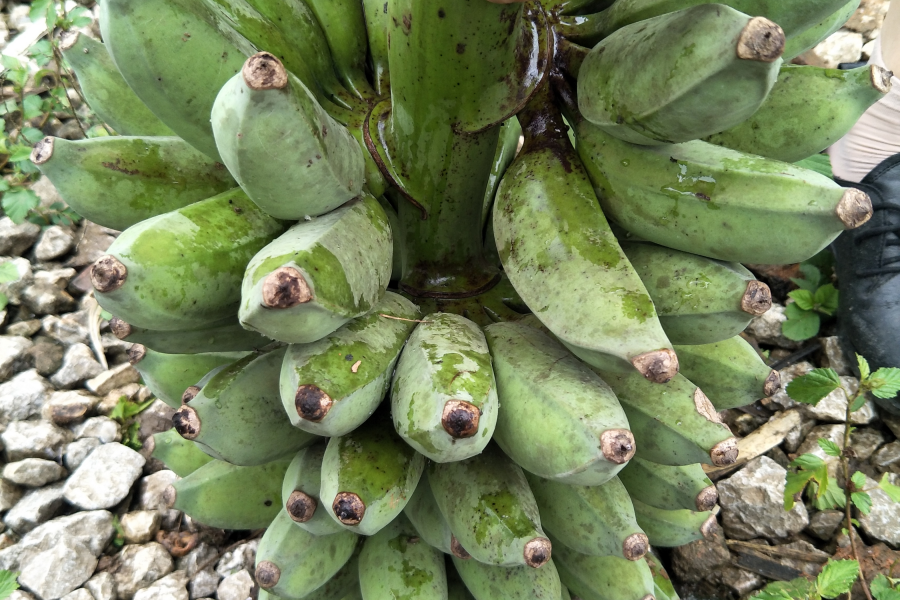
(287, 153)
(810, 38)
(668, 487)
(173, 60)
(563, 260)
(300, 492)
(559, 419)
(319, 275)
(105, 89)
(717, 202)
(376, 15)
(369, 475)
(673, 424)
(703, 69)
(670, 528)
(425, 515)
(344, 585)
(507, 147)
(120, 181)
(169, 375)
(293, 563)
(396, 563)
(330, 387)
(661, 582)
(808, 110)
(596, 520)
(488, 582)
(223, 495)
(456, 589)
(604, 577)
(730, 372)
(344, 25)
(443, 395)
(182, 270)
(564, 593)
(238, 417)
(178, 454)
(489, 506)
(228, 337)
(699, 300)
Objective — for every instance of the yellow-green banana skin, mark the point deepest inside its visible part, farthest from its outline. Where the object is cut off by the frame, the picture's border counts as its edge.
(671, 528)
(809, 109)
(603, 577)
(169, 375)
(178, 454)
(695, 77)
(559, 419)
(810, 38)
(667, 487)
(227, 337)
(425, 515)
(664, 588)
(487, 582)
(717, 202)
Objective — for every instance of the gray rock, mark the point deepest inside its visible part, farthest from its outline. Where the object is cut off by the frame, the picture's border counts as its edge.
(695, 562)
(20, 595)
(203, 556)
(824, 524)
(797, 434)
(204, 583)
(16, 239)
(810, 566)
(139, 567)
(9, 495)
(834, 356)
(77, 451)
(140, 526)
(59, 570)
(238, 586)
(865, 442)
(766, 328)
(105, 477)
(79, 365)
(241, 557)
(156, 418)
(888, 457)
(868, 17)
(93, 241)
(741, 581)
(34, 439)
(22, 396)
(101, 586)
(150, 492)
(35, 507)
(47, 356)
(92, 529)
(56, 241)
(892, 421)
(24, 328)
(103, 428)
(33, 472)
(840, 47)
(66, 330)
(58, 278)
(883, 521)
(67, 407)
(12, 355)
(170, 587)
(45, 299)
(810, 445)
(116, 377)
(79, 594)
(832, 408)
(752, 502)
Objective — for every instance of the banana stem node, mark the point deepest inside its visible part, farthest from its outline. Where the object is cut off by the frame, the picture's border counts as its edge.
(263, 71)
(267, 574)
(186, 422)
(537, 552)
(190, 393)
(349, 508)
(724, 453)
(881, 78)
(707, 498)
(120, 328)
(285, 287)
(757, 298)
(301, 507)
(705, 407)
(460, 418)
(855, 208)
(312, 403)
(761, 40)
(772, 384)
(658, 366)
(136, 353)
(635, 546)
(42, 151)
(108, 274)
(709, 527)
(457, 550)
(617, 445)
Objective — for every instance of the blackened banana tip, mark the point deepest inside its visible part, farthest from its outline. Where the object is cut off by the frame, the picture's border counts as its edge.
(460, 418)
(457, 550)
(709, 526)
(658, 366)
(190, 393)
(761, 40)
(136, 353)
(285, 287)
(300, 506)
(120, 328)
(312, 403)
(617, 445)
(42, 151)
(724, 453)
(772, 384)
(537, 552)
(108, 274)
(854, 209)
(635, 546)
(186, 422)
(881, 78)
(263, 71)
(757, 298)
(267, 574)
(349, 508)
(707, 498)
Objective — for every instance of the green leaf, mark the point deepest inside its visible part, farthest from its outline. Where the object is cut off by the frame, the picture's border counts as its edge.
(8, 583)
(32, 134)
(19, 152)
(803, 299)
(18, 203)
(808, 462)
(8, 272)
(858, 479)
(858, 403)
(32, 106)
(831, 495)
(862, 501)
(798, 589)
(830, 448)
(864, 370)
(801, 324)
(4, 300)
(893, 491)
(882, 589)
(837, 578)
(794, 484)
(815, 385)
(885, 382)
(811, 277)
(826, 299)
(11, 63)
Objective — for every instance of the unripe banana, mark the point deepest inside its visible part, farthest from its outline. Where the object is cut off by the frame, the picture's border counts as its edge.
(670, 528)
(808, 110)
(376, 15)
(345, 583)
(368, 476)
(489, 506)
(105, 90)
(183, 269)
(810, 38)
(293, 563)
(330, 387)
(169, 375)
(604, 577)
(673, 424)
(596, 520)
(488, 582)
(344, 25)
(702, 70)
(319, 275)
(444, 397)
(699, 300)
(669, 487)
(661, 582)
(507, 147)
(181, 456)
(456, 589)
(300, 492)
(238, 416)
(223, 495)
(730, 372)
(397, 563)
(227, 337)
(564, 593)
(291, 158)
(120, 181)
(425, 515)
(559, 419)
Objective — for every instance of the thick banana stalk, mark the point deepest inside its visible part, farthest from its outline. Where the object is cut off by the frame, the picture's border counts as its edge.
(604, 577)
(810, 38)
(183, 270)
(300, 492)
(178, 454)
(702, 70)
(667, 487)
(671, 528)
(488, 582)
(227, 337)
(344, 25)
(292, 159)
(120, 181)
(809, 109)
(319, 275)
(559, 419)
(444, 396)
(105, 89)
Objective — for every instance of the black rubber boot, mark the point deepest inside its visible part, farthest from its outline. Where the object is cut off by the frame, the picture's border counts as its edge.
(868, 270)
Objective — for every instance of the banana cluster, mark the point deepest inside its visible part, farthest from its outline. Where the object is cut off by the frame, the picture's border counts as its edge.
(433, 363)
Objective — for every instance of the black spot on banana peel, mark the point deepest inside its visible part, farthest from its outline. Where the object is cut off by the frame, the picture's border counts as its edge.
(658, 366)
(757, 298)
(724, 453)
(460, 418)
(108, 274)
(42, 151)
(136, 353)
(707, 498)
(457, 550)
(617, 445)
(537, 552)
(267, 574)
(635, 546)
(284, 288)
(186, 422)
(854, 209)
(300, 506)
(349, 508)
(120, 328)
(761, 40)
(772, 384)
(190, 393)
(312, 403)
(263, 71)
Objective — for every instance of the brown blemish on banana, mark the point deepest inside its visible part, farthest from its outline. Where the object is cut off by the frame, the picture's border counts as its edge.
(724, 453)
(186, 422)
(136, 353)
(349, 508)
(757, 298)
(537, 552)
(635, 546)
(190, 393)
(460, 419)
(457, 550)
(761, 40)
(108, 274)
(263, 71)
(658, 366)
(617, 445)
(120, 328)
(312, 403)
(284, 288)
(854, 209)
(42, 151)
(709, 526)
(300, 506)
(169, 496)
(705, 407)
(707, 498)
(881, 78)
(772, 384)
(267, 574)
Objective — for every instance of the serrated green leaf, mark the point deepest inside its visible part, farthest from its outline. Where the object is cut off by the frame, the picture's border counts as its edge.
(829, 496)
(798, 589)
(32, 134)
(811, 277)
(808, 462)
(10, 62)
(829, 447)
(18, 203)
(893, 491)
(882, 589)
(8, 583)
(800, 324)
(812, 387)
(19, 152)
(8, 272)
(858, 479)
(858, 403)
(38, 9)
(33, 106)
(864, 370)
(885, 382)
(794, 484)
(862, 501)
(837, 578)
(826, 298)
(803, 299)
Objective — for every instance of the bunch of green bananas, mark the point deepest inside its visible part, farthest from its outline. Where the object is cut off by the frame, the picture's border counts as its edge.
(516, 394)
